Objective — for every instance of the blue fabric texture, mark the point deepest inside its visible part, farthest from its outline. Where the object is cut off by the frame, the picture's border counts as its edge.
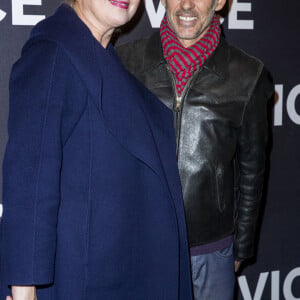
(213, 275)
(92, 200)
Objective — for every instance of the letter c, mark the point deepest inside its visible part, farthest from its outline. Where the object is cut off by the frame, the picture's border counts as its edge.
(291, 105)
(287, 285)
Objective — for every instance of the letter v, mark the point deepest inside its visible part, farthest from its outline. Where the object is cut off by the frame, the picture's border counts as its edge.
(2, 15)
(155, 17)
(244, 288)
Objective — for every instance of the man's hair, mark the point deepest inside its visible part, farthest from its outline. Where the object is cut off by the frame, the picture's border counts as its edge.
(70, 2)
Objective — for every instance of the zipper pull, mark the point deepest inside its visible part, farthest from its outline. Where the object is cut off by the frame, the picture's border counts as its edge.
(178, 102)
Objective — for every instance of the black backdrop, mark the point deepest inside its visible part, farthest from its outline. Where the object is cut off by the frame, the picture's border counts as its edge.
(268, 29)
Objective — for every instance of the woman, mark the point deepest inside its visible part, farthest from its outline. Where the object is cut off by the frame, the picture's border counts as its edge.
(92, 205)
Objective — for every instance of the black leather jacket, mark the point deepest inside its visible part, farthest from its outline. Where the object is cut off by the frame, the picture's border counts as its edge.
(221, 129)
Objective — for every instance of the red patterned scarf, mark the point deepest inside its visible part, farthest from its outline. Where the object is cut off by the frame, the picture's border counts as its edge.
(184, 62)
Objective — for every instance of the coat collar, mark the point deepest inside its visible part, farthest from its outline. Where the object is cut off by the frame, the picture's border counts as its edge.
(71, 34)
(214, 64)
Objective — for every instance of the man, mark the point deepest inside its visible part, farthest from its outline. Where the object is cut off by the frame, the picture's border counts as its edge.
(219, 97)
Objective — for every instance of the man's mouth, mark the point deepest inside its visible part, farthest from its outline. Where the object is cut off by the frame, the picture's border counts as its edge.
(187, 19)
(120, 4)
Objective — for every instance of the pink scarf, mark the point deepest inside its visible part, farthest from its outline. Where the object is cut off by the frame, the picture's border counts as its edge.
(184, 62)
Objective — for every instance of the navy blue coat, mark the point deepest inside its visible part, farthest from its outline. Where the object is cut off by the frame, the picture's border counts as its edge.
(92, 200)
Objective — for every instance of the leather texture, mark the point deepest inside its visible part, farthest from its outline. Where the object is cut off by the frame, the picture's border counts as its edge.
(221, 132)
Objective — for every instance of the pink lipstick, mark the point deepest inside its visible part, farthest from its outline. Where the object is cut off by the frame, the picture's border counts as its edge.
(120, 4)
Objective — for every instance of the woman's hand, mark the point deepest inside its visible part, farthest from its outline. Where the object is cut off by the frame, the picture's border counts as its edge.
(23, 293)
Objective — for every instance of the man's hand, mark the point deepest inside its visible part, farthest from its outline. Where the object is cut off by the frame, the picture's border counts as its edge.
(23, 293)
(237, 265)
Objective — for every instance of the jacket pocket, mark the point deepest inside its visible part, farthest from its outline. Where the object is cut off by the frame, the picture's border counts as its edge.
(219, 185)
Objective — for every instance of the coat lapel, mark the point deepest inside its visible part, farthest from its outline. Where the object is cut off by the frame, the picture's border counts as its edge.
(123, 113)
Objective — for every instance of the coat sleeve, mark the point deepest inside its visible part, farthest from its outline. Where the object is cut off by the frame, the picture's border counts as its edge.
(31, 169)
(251, 156)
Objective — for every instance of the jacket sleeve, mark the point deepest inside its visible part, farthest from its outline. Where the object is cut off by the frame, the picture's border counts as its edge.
(31, 169)
(251, 156)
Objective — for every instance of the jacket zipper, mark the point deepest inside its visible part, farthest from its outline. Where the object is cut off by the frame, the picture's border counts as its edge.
(176, 108)
(179, 101)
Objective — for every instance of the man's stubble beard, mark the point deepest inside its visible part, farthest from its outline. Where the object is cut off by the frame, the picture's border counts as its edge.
(205, 25)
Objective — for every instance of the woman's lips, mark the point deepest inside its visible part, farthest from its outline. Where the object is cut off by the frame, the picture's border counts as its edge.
(120, 4)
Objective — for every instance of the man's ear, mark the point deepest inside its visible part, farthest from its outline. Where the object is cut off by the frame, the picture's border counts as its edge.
(220, 4)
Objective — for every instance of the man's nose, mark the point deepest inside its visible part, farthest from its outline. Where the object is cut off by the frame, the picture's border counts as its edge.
(187, 4)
